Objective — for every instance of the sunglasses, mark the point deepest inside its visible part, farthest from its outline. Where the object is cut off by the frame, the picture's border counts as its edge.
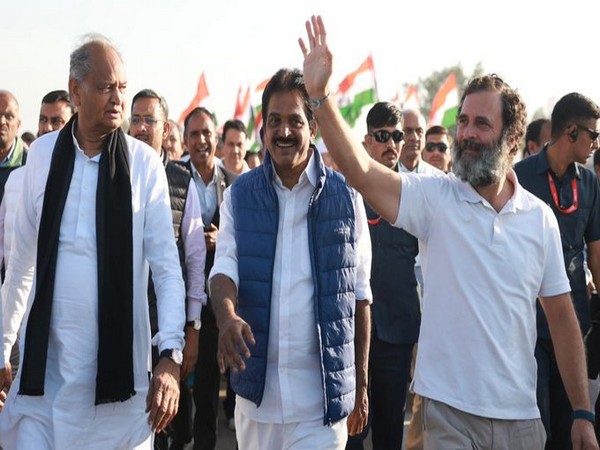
(431, 146)
(382, 136)
(593, 133)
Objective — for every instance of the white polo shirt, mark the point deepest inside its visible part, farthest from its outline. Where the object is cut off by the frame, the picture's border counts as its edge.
(483, 271)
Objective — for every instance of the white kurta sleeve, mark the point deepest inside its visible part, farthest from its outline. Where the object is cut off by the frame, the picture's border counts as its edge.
(161, 252)
(192, 231)
(19, 276)
(363, 252)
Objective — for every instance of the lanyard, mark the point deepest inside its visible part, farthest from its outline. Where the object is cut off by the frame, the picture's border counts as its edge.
(374, 221)
(554, 193)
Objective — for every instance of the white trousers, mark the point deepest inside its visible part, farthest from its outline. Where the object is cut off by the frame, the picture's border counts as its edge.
(307, 435)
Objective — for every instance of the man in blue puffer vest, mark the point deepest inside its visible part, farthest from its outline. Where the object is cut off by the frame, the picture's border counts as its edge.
(291, 275)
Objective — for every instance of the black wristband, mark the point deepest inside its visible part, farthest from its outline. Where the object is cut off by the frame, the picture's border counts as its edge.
(583, 414)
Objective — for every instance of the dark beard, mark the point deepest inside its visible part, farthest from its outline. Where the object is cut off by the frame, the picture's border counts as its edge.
(483, 168)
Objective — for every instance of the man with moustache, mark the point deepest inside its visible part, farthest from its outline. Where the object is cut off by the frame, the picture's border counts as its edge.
(482, 266)
(413, 127)
(55, 112)
(13, 152)
(210, 180)
(95, 214)
(235, 145)
(437, 148)
(149, 123)
(557, 176)
(396, 310)
(292, 268)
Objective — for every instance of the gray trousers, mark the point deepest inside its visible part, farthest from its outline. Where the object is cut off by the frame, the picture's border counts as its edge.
(447, 428)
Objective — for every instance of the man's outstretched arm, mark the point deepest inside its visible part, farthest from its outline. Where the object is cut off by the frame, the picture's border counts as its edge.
(379, 185)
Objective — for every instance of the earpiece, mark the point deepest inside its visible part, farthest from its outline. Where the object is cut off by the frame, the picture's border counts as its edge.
(573, 135)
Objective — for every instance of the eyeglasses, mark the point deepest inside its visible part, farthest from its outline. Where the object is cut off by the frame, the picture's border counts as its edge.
(149, 121)
(382, 136)
(593, 133)
(431, 146)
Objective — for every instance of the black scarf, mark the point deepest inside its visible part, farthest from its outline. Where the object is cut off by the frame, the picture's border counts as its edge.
(114, 379)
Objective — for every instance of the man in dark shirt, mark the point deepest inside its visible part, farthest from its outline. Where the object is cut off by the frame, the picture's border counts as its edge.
(556, 176)
(396, 311)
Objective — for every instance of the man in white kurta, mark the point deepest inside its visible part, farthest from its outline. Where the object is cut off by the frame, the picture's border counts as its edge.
(66, 416)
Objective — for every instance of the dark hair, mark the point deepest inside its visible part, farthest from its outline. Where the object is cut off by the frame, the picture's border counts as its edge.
(383, 114)
(250, 154)
(570, 109)
(436, 129)
(514, 112)
(149, 93)
(596, 158)
(28, 137)
(234, 125)
(58, 96)
(286, 80)
(534, 130)
(197, 110)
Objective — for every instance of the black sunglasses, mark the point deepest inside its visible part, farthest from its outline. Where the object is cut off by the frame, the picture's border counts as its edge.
(593, 133)
(431, 146)
(382, 136)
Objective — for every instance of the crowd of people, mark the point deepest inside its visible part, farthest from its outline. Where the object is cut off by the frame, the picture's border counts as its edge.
(143, 262)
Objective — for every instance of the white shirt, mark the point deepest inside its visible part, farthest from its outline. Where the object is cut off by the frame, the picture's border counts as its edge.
(192, 234)
(8, 210)
(483, 271)
(66, 416)
(293, 386)
(207, 194)
(423, 167)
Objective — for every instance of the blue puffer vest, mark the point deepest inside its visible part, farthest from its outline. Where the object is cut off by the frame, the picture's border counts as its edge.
(331, 237)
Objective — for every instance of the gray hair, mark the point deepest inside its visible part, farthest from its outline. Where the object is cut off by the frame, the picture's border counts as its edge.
(79, 66)
(10, 95)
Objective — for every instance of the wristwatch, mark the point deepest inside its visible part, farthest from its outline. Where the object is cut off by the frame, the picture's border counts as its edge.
(174, 354)
(195, 324)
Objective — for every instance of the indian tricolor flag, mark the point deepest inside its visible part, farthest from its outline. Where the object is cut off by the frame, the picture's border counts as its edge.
(242, 105)
(411, 99)
(255, 122)
(200, 99)
(357, 90)
(445, 104)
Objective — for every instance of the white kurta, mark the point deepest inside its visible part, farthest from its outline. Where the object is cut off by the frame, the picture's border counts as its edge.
(66, 417)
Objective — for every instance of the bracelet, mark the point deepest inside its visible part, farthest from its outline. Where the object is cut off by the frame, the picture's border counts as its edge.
(315, 103)
(583, 414)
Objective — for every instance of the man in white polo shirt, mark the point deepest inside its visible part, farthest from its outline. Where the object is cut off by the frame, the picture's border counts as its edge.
(475, 366)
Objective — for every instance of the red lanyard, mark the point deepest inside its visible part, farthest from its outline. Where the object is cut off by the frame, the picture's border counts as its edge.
(374, 221)
(575, 204)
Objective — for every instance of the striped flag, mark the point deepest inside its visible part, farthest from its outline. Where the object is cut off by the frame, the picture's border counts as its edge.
(255, 122)
(242, 105)
(445, 103)
(200, 99)
(357, 90)
(411, 99)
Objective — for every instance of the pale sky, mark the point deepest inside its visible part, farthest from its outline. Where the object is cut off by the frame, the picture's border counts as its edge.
(544, 49)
